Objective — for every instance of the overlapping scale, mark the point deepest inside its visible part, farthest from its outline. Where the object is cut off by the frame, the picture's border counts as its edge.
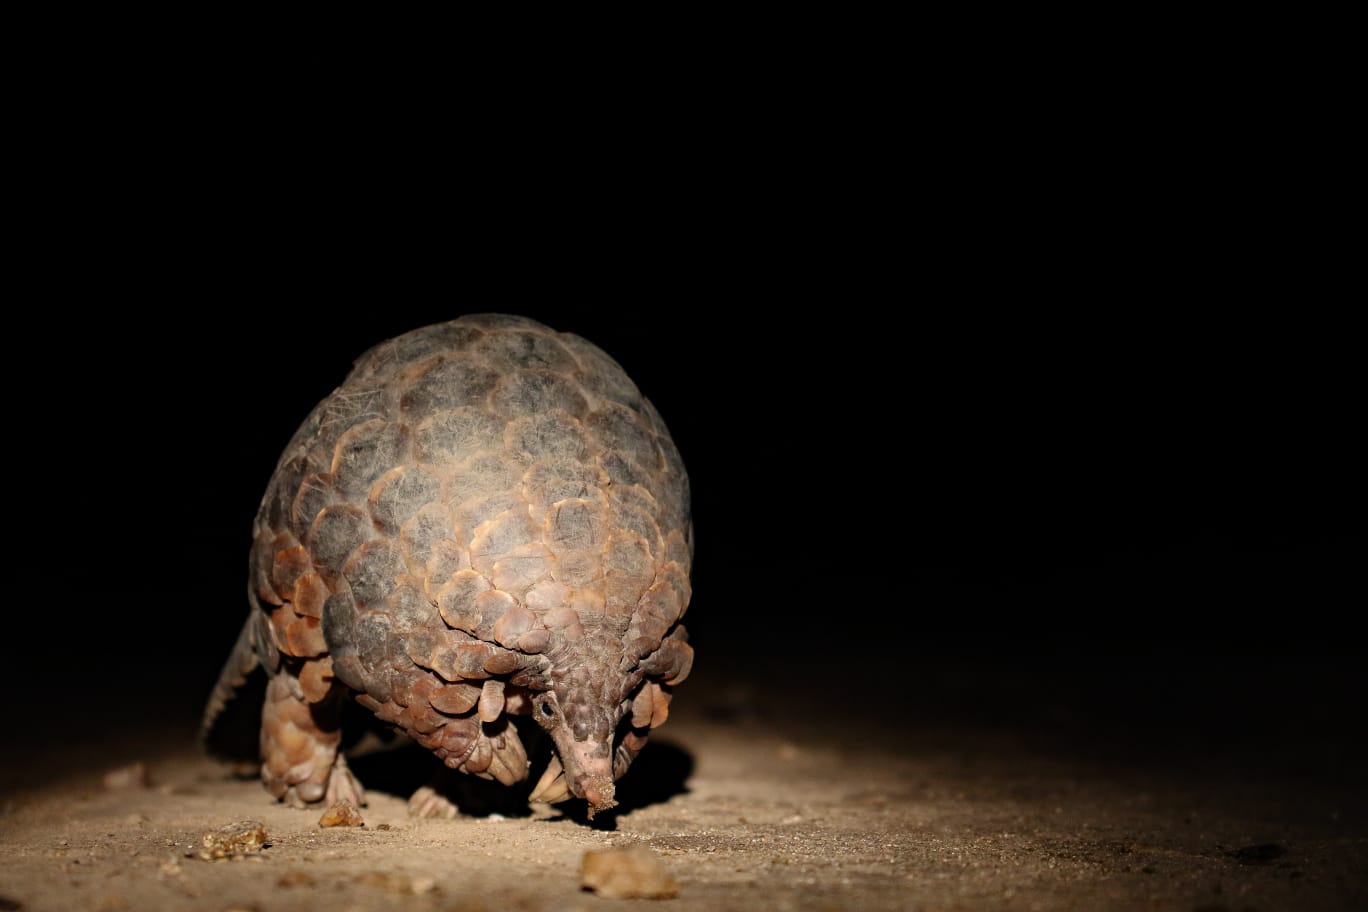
(484, 506)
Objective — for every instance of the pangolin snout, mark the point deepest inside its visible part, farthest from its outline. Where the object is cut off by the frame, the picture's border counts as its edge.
(589, 771)
(598, 791)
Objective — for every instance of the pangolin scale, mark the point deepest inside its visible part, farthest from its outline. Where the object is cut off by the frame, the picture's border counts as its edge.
(485, 519)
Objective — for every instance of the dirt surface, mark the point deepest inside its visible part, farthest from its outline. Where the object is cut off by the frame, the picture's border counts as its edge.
(749, 805)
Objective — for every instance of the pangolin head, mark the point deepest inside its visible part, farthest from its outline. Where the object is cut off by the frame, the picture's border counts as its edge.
(598, 712)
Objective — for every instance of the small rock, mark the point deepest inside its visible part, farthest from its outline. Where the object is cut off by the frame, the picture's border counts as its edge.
(343, 813)
(133, 776)
(631, 872)
(234, 840)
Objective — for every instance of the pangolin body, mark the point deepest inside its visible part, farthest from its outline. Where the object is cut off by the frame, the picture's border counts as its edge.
(486, 518)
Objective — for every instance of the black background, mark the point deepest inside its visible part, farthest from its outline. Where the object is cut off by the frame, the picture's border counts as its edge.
(918, 501)
(982, 484)
(1021, 369)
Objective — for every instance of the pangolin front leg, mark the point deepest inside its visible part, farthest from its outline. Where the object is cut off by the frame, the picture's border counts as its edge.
(300, 763)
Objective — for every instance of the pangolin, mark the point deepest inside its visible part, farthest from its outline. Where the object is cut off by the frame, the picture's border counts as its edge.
(485, 519)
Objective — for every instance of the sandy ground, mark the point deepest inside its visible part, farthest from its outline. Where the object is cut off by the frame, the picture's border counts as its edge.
(747, 809)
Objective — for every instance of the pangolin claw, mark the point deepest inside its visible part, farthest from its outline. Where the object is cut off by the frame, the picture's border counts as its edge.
(552, 787)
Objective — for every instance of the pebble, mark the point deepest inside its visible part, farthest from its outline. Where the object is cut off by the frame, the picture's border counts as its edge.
(632, 872)
(343, 813)
(234, 840)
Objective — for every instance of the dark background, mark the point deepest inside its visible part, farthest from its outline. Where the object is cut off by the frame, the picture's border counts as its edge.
(1098, 517)
(1025, 386)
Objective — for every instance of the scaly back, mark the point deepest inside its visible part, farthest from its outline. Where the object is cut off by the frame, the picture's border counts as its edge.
(484, 508)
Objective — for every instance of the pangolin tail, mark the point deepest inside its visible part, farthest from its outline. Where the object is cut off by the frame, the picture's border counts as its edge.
(242, 661)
